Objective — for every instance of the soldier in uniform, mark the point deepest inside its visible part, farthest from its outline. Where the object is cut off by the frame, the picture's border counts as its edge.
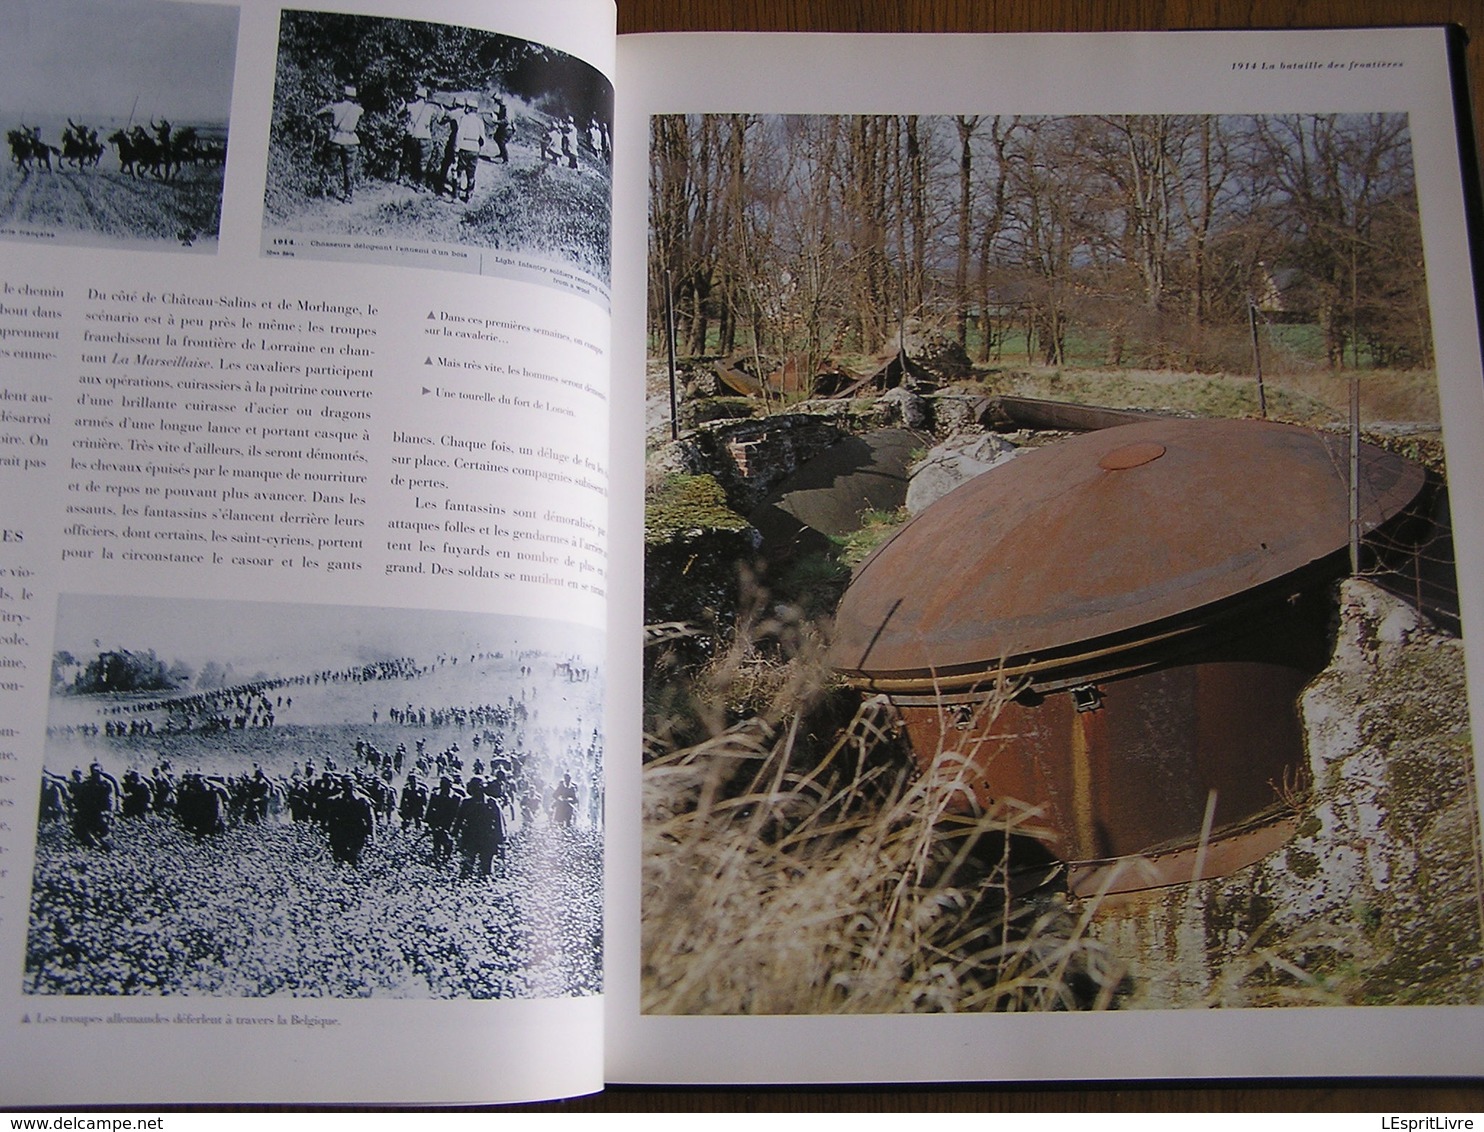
(564, 801)
(417, 139)
(136, 795)
(54, 797)
(345, 141)
(259, 792)
(504, 131)
(413, 803)
(443, 810)
(321, 794)
(201, 805)
(530, 804)
(351, 822)
(480, 829)
(469, 144)
(162, 789)
(569, 148)
(301, 804)
(94, 799)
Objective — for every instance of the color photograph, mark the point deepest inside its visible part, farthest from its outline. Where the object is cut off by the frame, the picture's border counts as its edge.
(1050, 591)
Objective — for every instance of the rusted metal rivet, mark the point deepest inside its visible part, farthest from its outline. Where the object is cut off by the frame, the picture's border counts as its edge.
(1131, 456)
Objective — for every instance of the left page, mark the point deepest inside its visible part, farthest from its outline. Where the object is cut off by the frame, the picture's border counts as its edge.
(304, 323)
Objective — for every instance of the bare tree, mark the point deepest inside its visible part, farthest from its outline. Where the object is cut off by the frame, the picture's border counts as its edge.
(1336, 173)
(808, 236)
(1001, 132)
(966, 125)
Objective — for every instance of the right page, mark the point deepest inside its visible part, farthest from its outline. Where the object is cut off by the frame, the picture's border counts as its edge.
(1054, 606)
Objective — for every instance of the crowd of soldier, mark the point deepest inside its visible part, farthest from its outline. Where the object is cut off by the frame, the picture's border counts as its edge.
(203, 804)
(348, 807)
(254, 704)
(443, 140)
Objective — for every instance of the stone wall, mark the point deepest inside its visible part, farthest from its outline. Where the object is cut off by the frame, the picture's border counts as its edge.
(749, 458)
(1377, 898)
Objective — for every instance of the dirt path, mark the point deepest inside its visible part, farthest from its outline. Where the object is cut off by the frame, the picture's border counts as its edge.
(375, 199)
(527, 205)
(114, 205)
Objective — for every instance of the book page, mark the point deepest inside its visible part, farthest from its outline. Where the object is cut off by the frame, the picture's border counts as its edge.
(1055, 614)
(304, 337)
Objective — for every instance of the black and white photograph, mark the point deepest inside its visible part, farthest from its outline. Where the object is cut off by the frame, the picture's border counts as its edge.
(247, 800)
(417, 143)
(116, 119)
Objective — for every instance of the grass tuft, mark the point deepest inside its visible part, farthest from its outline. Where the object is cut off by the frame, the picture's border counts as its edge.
(795, 862)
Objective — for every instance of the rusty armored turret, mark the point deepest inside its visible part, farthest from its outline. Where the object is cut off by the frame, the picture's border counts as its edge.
(1115, 630)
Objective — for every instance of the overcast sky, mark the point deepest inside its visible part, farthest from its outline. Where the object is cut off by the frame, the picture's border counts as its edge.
(93, 60)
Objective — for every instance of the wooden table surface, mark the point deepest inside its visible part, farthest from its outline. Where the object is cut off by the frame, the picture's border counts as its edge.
(1399, 1096)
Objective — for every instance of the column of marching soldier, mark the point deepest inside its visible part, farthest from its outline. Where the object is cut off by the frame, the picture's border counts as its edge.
(474, 815)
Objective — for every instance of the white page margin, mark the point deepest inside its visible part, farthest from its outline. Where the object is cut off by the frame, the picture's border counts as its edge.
(1031, 74)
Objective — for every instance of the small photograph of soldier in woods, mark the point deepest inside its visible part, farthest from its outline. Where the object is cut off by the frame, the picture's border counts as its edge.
(403, 132)
(244, 800)
(115, 118)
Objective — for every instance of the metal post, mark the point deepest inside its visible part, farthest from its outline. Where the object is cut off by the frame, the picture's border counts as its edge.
(1262, 395)
(1354, 476)
(670, 350)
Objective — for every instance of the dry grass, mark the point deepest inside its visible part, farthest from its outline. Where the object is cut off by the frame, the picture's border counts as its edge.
(796, 864)
(1314, 397)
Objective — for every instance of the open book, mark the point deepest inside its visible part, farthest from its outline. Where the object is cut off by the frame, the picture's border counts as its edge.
(347, 751)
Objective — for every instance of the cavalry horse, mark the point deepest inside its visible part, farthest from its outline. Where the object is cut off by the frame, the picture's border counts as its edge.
(139, 152)
(80, 146)
(26, 146)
